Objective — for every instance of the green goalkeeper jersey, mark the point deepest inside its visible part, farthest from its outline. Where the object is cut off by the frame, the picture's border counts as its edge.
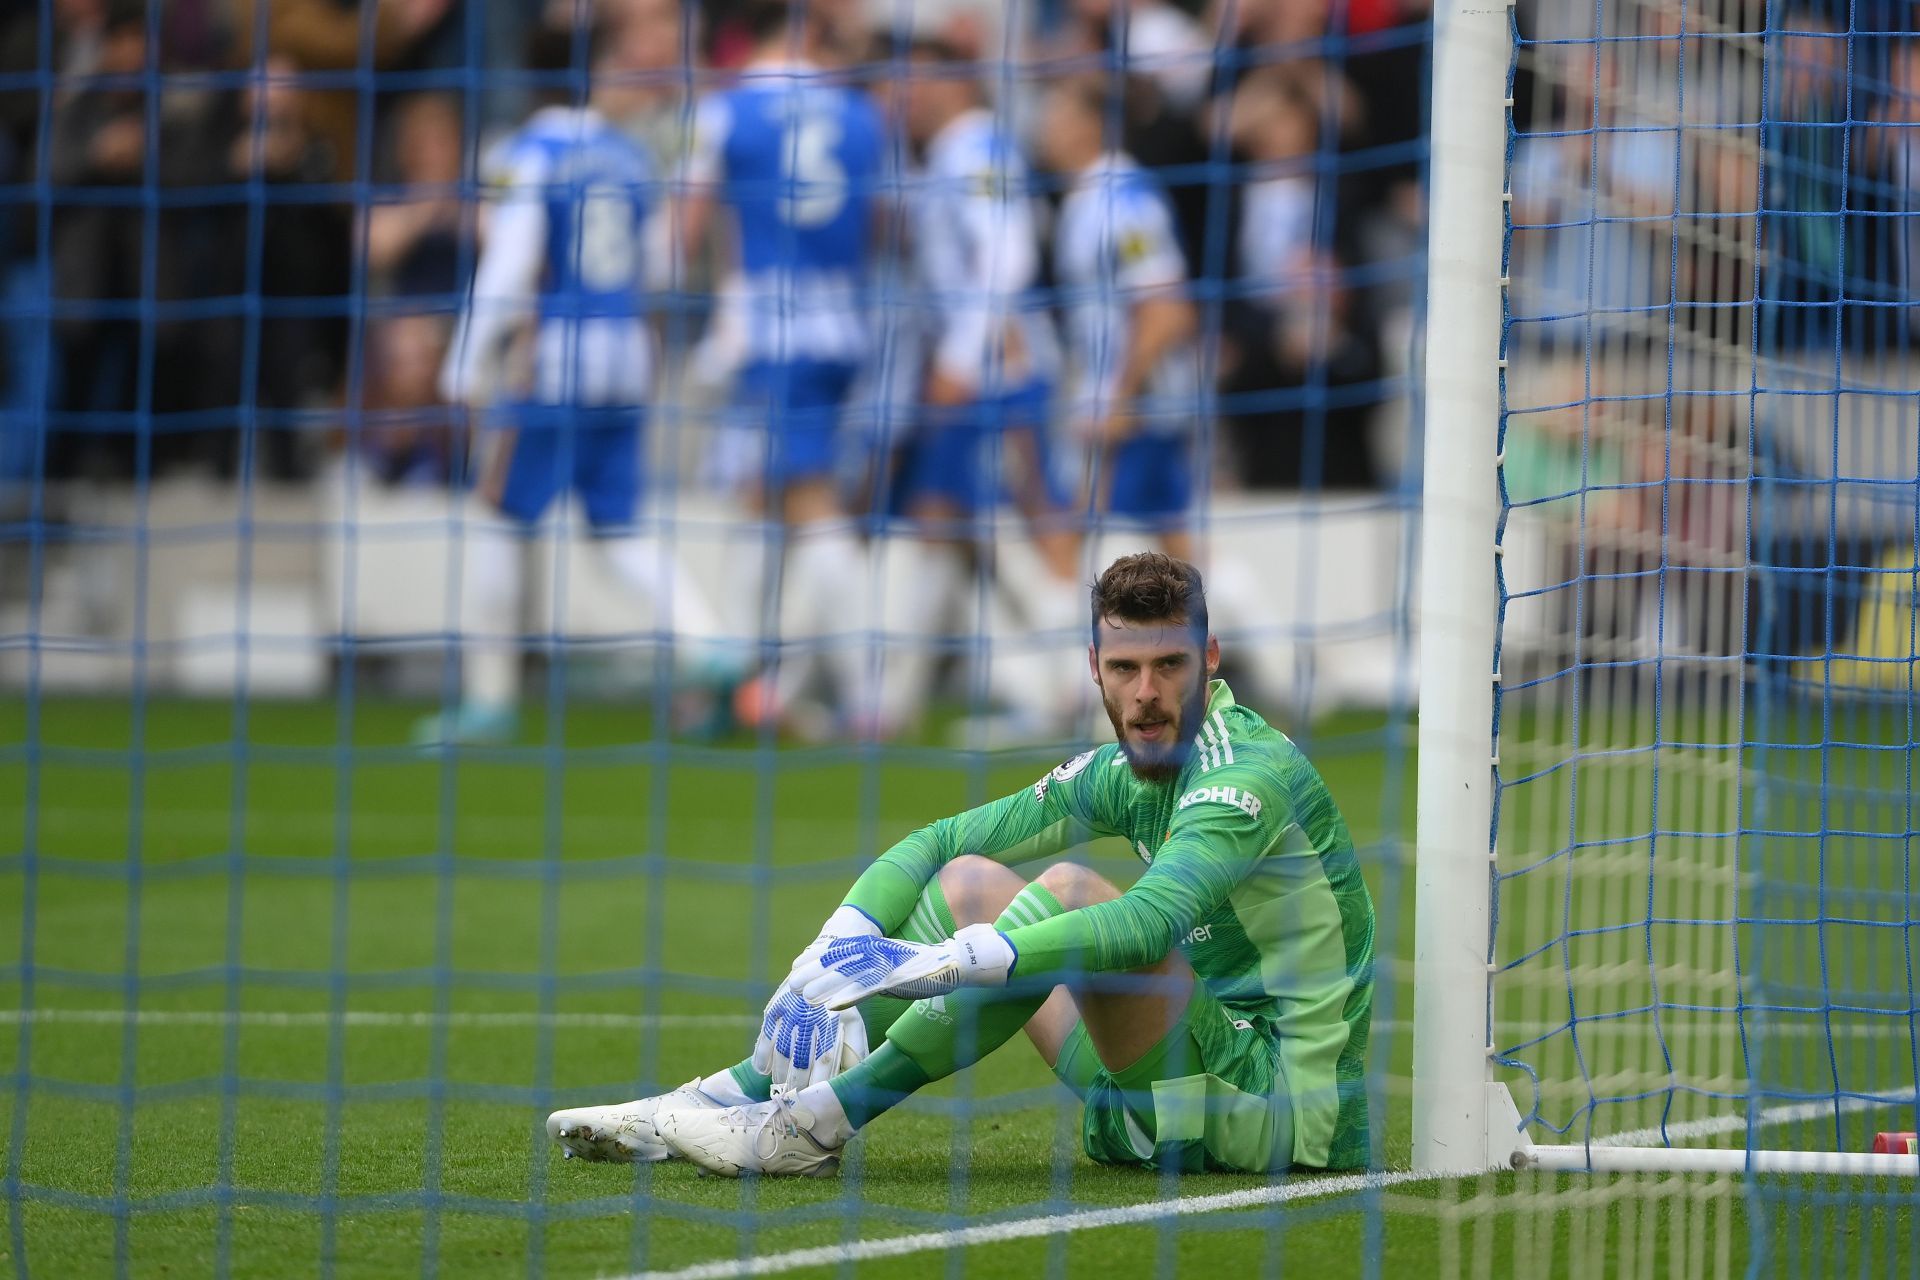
(1250, 872)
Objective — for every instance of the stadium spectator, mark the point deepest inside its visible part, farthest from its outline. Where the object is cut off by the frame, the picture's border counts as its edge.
(1151, 38)
(418, 250)
(305, 253)
(415, 245)
(99, 138)
(102, 136)
(406, 436)
(327, 35)
(1889, 156)
(1802, 234)
(1296, 331)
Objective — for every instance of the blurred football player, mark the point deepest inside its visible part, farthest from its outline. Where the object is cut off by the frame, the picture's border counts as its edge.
(554, 338)
(981, 438)
(791, 156)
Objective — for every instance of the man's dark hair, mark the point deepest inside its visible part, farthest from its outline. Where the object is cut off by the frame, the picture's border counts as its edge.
(767, 20)
(937, 49)
(1149, 587)
(552, 52)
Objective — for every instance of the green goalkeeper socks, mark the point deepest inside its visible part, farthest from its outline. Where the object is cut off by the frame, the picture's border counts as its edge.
(931, 921)
(939, 1036)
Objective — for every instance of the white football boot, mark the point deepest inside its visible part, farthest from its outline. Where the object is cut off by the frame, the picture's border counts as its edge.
(625, 1131)
(770, 1138)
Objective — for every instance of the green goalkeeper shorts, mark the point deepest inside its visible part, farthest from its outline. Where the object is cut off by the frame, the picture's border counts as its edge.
(1209, 1096)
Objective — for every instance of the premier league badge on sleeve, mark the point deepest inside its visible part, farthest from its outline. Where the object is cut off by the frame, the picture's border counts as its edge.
(1072, 767)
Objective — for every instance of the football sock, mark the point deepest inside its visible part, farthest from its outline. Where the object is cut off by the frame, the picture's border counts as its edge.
(924, 579)
(490, 579)
(646, 567)
(938, 1036)
(823, 599)
(726, 1088)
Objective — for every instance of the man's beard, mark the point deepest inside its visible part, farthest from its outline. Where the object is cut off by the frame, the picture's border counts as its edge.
(1161, 762)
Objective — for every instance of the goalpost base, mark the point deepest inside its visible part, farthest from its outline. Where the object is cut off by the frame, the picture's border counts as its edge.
(1570, 1158)
(1509, 1148)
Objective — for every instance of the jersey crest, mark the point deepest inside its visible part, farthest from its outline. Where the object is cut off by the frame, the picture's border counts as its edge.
(1072, 768)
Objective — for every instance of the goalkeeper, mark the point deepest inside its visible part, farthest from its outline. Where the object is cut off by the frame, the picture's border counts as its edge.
(1213, 1016)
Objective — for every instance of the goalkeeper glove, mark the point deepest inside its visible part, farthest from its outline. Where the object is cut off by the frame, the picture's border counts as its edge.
(852, 969)
(802, 1043)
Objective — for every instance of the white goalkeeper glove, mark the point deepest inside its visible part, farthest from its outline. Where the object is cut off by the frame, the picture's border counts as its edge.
(800, 1042)
(852, 969)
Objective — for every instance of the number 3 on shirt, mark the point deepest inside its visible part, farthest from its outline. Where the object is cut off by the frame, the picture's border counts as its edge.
(816, 183)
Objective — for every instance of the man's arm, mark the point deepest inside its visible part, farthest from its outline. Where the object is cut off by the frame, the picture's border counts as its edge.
(504, 284)
(1059, 811)
(1215, 842)
(1151, 272)
(692, 210)
(997, 259)
(1160, 323)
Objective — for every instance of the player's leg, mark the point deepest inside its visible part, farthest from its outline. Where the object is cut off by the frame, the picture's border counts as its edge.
(626, 1131)
(1041, 684)
(938, 489)
(801, 1135)
(1125, 1015)
(966, 891)
(607, 477)
(523, 467)
(822, 568)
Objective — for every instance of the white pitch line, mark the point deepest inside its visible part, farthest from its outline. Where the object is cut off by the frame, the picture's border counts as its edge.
(380, 1018)
(1029, 1228)
(1224, 1202)
(284, 1018)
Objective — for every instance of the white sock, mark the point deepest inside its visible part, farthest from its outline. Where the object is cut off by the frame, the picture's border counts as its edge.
(1044, 676)
(830, 1127)
(680, 608)
(1232, 595)
(491, 569)
(725, 1090)
(824, 597)
(922, 582)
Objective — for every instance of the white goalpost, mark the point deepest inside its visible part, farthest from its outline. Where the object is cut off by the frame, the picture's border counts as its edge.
(1669, 553)
(1455, 1097)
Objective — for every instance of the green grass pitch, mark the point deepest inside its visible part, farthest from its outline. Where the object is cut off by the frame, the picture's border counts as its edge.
(505, 936)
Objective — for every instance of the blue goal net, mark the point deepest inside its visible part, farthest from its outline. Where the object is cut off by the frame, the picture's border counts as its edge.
(507, 510)
(1705, 733)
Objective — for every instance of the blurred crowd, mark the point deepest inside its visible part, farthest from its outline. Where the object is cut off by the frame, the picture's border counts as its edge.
(256, 220)
(1713, 231)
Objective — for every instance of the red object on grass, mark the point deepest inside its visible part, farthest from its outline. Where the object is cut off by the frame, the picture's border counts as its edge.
(1896, 1144)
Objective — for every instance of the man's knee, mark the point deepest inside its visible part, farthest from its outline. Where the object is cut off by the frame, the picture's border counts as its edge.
(1075, 886)
(977, 889)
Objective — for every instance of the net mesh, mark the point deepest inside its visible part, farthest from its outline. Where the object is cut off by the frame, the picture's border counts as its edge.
(347, 827)
(1705, 721)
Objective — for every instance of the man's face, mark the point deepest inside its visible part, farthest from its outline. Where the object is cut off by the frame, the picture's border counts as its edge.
(927, 98)
(1063, 130)
(1153, 680)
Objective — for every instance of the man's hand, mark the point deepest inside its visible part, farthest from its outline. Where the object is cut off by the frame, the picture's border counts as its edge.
(845, 922)
(852, 969)
(943, 390)
(801, 1042)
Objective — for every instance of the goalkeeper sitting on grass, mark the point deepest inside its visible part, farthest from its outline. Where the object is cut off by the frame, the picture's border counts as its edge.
(1213, 1016)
